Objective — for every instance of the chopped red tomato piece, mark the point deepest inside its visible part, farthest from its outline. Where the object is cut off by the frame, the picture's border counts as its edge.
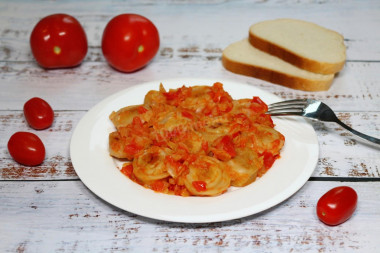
(173, 163)
(222, 98)
(257, 105)
(171, 95)
(158, 186)
(224, 107)
(141, 110)
(242, 122)
(137, 122)
(138, 127)
(159, 143)
(178, 166)
(217, 92)
(200, 186)
(187, 114)
(191, 158)
(207, 110)
(127, 170)
(180, 190)
(175, 97)
(265, 119)
(228, 145)
(205, 146)
(131, 149)
(269, 159)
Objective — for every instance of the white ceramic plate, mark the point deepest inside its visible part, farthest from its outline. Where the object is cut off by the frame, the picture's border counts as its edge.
(99, 171)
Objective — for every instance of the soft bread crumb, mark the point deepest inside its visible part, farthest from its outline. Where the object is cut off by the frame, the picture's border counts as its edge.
(242, 58)
(305, 44)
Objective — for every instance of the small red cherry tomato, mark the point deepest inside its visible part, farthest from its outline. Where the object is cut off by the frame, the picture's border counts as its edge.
(38, 113)
(129, 42)
(58, 41)
(337, 205)
(26, 148)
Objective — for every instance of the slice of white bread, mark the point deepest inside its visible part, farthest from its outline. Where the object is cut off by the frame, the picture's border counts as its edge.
(301, 43)
(242, 58)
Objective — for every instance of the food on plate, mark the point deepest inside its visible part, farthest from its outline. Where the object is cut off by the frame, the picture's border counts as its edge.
(58, 41)
(337, 205)
(130, 42)
(26, 148)
(242, 58)
(293, 53)
(303, 44)
(194, 140)
(38, 113)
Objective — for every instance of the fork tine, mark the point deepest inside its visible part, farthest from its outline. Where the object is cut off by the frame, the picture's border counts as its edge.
(314, 109)
(288, 107)
(289, 102)
(278, 113)
(286, 110)
(298, 105)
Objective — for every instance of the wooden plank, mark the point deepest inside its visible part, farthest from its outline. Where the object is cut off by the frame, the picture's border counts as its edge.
(52, 211)
(57, 163)
(341, 154)
(357, 88)
(357, 21)
(66, 217)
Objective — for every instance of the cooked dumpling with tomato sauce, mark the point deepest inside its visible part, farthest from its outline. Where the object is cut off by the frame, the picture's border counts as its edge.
(124, 116)
(195, 141)
(244, 167)
(149, 165)
(117, 145)
(207, 176)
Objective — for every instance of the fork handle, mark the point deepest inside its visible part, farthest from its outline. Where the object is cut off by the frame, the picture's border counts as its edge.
(364, 136)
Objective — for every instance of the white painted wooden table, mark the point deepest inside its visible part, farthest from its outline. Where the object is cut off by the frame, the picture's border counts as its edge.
(48, 209)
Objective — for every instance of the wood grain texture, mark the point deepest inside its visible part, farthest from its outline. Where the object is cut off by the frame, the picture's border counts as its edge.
(48, 209)
(65, 216)
(357, 21)
(57, 163)
(356, 87)
(341, 153)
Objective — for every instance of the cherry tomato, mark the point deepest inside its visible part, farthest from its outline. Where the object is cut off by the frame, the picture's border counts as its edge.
(129, 42)
(38, 113)
(26, 148)
(337, 205)
(58, 41)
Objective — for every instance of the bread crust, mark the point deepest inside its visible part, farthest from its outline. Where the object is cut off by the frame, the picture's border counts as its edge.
(293, 58)
(276, 77)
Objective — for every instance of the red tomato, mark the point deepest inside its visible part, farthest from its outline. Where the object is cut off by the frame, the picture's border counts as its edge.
(158, 186)
(269, 159)
(228, 145)
(259, 106)
(337, 205)
(129, 42)
(132, 149)
(26, 148)
(200, 186)
(127, 170)
(38, 113)
(58, 41)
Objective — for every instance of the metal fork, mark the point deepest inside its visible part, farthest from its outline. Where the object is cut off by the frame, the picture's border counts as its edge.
(314, 109)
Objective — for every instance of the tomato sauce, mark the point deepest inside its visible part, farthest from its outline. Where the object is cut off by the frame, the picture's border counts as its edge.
(204, 142)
